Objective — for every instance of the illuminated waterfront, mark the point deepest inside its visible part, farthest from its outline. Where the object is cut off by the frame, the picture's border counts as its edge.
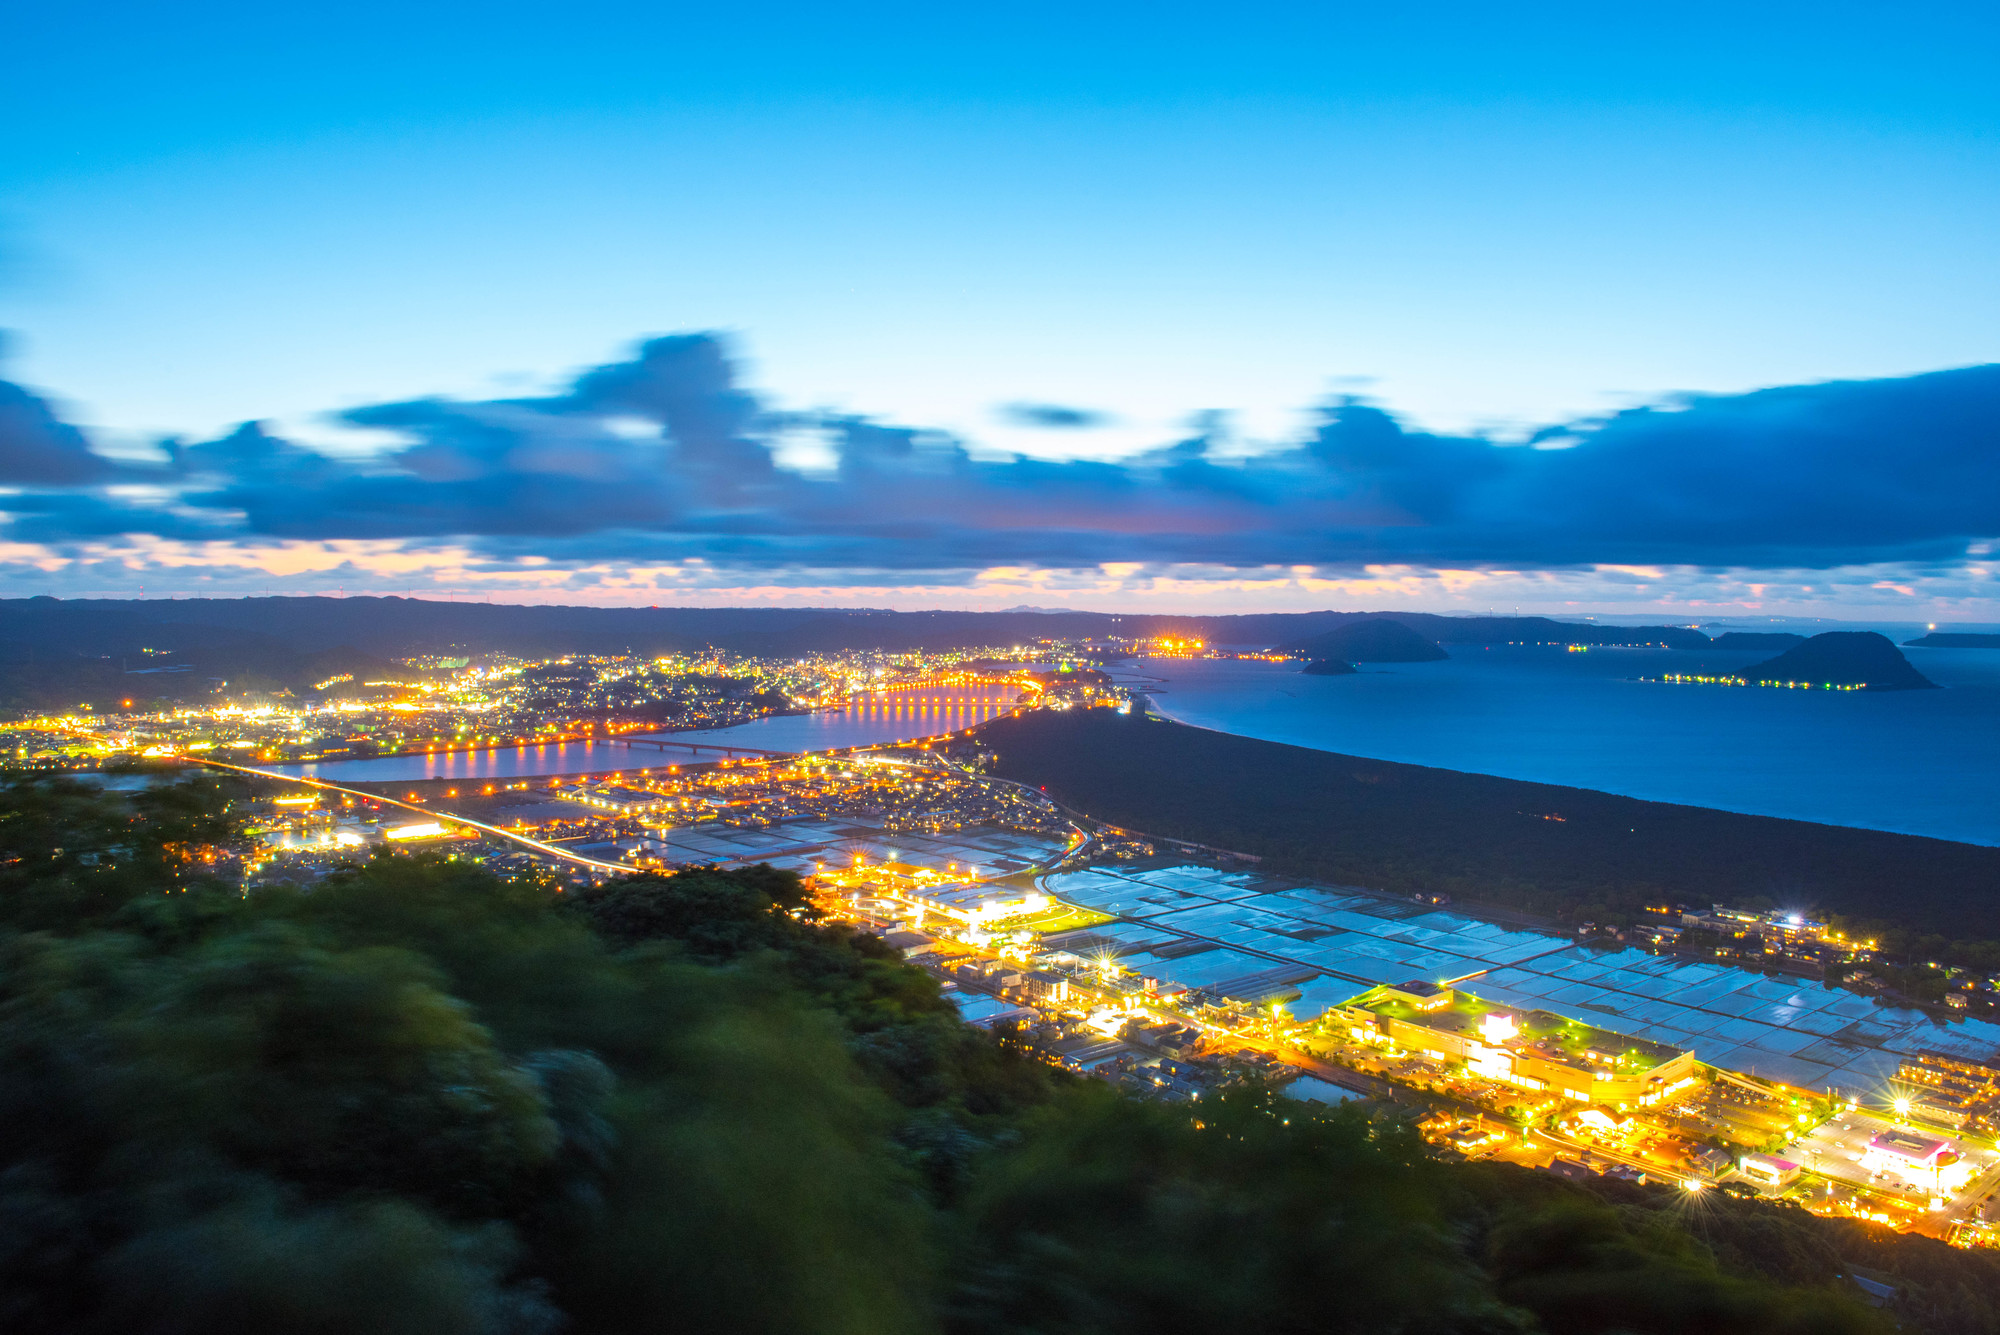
(869, 720)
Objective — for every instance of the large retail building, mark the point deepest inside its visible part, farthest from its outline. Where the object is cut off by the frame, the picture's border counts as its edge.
(1532, 1050)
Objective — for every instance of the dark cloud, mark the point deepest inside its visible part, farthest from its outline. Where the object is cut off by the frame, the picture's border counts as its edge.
(484, 469)
(37, 449)
(687, 385)
(666, 457)
(62, 517)
(1906, 468)
(1052, 416)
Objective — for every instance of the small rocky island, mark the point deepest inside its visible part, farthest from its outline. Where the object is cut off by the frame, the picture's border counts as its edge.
(1844, 659)
(1328, 667)
(1377, 641)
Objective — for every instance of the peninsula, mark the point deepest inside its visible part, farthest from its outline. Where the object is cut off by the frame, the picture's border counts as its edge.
(1852, 659)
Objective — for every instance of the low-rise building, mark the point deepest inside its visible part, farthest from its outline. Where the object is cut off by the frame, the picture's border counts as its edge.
(1709, 1160)
(614, 799)
(1907, 1152)
(1039, 985)
(1768, 1170)
(1951, 1091)
(1923, 1160)
(979, 903)
(907, 943)
(1534, 1050)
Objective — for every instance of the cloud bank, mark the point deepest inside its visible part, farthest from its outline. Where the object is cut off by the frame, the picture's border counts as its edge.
(666, 458)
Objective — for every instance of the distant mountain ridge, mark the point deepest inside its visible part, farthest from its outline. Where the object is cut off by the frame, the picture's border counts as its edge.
(59, 653)
(1536, 630)
(394, 627)
(1954, 639)
(1756, 639)
(1381, 640)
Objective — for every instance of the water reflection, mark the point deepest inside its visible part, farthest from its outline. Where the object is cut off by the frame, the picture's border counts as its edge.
(887, 716)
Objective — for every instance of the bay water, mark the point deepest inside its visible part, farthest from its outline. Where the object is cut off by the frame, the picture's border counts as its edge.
(867, 720)
(1915, 762)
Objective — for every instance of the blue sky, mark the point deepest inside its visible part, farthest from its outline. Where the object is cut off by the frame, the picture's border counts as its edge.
(1486, 221)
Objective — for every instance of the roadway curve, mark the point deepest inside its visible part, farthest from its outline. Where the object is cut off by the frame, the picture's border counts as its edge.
(548, 850)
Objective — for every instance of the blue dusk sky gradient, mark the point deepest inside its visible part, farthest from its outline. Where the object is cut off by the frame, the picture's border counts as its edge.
(1158, 307)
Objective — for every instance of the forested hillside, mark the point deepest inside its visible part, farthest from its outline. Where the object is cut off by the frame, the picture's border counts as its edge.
(419, 1098)
(264, 634)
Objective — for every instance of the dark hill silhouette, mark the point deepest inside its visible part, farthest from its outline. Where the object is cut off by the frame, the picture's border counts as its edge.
(1537, 630)
(1328, 667)
(1955, 639)
(1757, 639)
(398, 627)
(1843, 658)
(1378, 641)
(59, 653)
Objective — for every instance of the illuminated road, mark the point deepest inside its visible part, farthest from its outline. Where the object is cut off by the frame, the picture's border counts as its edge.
(1590, 1149)
(1974, 1198)
(548, 850)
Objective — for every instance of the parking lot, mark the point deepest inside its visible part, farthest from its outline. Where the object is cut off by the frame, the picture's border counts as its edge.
(1837, 1150)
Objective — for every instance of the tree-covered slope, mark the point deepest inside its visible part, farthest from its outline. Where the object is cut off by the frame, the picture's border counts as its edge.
(420, 1098)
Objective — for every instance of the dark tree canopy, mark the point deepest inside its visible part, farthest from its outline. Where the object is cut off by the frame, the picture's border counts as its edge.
(421, 1098)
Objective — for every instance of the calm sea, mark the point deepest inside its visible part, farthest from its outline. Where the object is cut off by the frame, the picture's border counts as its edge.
(1918, 762)
(893, 716)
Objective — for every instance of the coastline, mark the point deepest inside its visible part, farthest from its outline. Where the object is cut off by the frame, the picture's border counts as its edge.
(1892, 762)
(1571, 853)
(1602, 792)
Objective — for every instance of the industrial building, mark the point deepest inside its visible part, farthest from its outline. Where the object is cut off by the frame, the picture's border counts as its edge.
(1533, 1050)
(614, 799)
(978, 904)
